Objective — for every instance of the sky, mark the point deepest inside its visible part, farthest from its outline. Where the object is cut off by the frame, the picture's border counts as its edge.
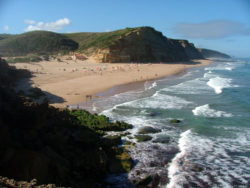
(222, 25)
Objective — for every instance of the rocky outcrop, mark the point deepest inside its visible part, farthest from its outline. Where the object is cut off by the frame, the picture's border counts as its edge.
(212, 53)
(145, 44)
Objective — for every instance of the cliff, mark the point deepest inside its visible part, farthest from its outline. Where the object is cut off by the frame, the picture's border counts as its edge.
(145, 44)
(212, 53)
(142, 44)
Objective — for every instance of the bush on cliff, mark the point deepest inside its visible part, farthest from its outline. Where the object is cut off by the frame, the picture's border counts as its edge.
(98, 122)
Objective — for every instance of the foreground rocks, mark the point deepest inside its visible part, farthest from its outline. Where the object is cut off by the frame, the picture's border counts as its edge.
(54, 146)
(148, 130)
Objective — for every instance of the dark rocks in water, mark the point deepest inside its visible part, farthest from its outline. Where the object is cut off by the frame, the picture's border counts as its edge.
(122, 163)
(144, 182)
(143, 138)
(129, 143)
(153, 114)
(162, 139)
(124, 134)
(148, 130)
(175, 121)
(148, 181)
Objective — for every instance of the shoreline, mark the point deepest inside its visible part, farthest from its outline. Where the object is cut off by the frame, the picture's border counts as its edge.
(67, 83)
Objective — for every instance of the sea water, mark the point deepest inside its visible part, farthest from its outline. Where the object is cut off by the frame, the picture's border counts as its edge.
(211, 145)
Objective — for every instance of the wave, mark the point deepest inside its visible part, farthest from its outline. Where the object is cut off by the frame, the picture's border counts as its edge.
(148, 85)
(195, 86)
(204, 162)
(227, 66)
(218, 84)
(206, 111)
(162, 101)
(176, 170)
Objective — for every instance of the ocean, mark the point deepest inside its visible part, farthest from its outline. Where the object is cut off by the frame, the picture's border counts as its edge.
(210, 147)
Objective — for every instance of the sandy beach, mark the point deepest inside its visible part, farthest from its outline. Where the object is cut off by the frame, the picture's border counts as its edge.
(75, 81)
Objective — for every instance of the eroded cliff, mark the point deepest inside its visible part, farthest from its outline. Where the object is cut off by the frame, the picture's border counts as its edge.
(145, 44)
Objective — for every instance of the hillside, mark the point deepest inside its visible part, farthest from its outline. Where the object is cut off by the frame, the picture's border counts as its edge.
(142, 44)
(207, 53)
(51, 145)
(35, 42)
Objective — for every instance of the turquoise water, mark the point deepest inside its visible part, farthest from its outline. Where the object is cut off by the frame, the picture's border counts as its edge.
(211, 146)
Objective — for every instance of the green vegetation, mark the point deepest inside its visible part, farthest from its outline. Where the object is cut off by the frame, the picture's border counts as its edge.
(92, 41)
(45, 42)
(36, 42)
(98, 122)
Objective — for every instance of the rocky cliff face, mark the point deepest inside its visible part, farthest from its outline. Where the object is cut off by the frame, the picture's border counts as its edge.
(147, 45)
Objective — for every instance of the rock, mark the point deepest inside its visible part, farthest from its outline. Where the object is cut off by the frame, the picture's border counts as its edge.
(129, 144)
(144, 182)
(143, 138)
(122, 163)
(148, 130)
(162, 139)
(175, 121)
(153, 114)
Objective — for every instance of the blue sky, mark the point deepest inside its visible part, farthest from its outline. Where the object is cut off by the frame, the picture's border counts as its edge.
(222, 25)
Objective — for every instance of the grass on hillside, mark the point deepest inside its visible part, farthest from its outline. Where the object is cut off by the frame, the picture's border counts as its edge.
(36, 42)
(93, 41)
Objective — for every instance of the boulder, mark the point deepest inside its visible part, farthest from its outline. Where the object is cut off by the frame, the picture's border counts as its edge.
(148, 130)
(175, 121)
(143, 138)
(162, 139)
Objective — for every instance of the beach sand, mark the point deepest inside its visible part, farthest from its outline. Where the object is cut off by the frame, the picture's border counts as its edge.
(69, 82)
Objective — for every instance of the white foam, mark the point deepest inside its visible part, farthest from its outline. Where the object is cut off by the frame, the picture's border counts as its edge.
(209, 74)
(229, 68)
(218, 84)
(206, 111)
(148, 85)
(196, 86)
(222, 67)
(175, 170)
(162, 101)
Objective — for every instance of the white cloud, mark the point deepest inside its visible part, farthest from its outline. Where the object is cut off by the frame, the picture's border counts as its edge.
(212, 29)
(50, 26)
(29, 22)
(6, 28)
